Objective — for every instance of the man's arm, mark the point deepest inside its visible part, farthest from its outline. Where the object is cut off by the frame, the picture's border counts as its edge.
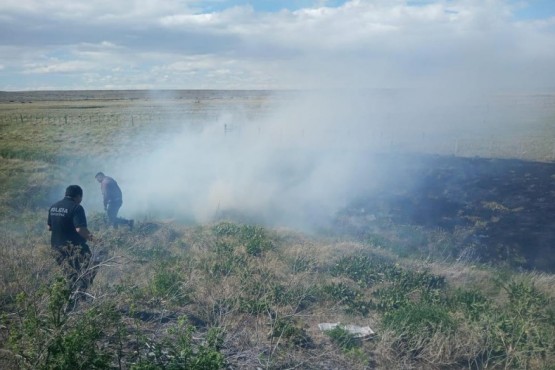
(85, 233)
(80, 222)
(105, 195)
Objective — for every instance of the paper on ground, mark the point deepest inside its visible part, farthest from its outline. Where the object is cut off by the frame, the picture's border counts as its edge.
(357, 331)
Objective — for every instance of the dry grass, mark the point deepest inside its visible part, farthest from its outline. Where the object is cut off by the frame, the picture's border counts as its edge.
(267, 298)
(242, 300)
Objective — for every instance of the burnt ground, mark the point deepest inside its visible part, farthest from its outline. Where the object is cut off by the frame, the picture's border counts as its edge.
(505, 206)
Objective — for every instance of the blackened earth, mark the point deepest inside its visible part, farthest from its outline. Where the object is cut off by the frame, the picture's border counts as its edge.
(506, 206)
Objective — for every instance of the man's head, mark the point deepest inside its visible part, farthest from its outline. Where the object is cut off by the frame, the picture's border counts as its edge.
(99, 176)
(74, 192)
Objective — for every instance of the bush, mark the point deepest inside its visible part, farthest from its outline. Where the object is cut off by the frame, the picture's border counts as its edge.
(177, 350)
(51, 338)
(522, 332)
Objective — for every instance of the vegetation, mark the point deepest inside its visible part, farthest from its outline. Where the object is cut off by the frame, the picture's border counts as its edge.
(235, 295)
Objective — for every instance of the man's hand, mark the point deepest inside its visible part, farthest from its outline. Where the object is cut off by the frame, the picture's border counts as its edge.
(85, 233)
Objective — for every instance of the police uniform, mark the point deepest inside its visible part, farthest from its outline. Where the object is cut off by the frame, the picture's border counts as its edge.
(70, 249)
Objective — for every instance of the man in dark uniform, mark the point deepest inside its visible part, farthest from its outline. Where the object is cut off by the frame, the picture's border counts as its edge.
(68, 225)
(113, 200)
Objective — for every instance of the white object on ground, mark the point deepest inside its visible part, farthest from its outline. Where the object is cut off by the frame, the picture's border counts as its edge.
(355, 330)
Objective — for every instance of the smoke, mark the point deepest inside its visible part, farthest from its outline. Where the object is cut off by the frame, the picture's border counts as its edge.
(294, 164)
(299, 160)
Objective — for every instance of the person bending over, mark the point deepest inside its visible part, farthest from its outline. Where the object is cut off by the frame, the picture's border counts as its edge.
(113, 199)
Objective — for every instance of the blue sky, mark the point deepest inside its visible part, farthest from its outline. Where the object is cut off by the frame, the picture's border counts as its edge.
(534, 9)
(275, 5)
(188, 44)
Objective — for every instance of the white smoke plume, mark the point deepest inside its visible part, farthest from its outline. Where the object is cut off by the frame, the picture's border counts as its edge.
(305, 158)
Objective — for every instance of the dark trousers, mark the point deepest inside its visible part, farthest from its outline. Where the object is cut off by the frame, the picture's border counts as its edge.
(112, 209)
(75, 261)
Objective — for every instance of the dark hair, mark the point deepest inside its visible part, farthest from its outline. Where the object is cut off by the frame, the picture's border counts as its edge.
(99, 174)
(73, 191)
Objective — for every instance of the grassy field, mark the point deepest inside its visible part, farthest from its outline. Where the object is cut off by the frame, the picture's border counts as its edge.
(235, 295)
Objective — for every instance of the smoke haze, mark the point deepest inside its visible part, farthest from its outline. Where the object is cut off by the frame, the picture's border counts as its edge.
(293, 166)
(306, 156)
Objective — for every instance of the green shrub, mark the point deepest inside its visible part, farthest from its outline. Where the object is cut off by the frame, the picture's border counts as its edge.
(51, 338)
(522, 332)
(178, 350)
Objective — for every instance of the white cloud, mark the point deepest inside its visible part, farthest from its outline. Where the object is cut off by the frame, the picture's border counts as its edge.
(93, 10)
(59, 67)
(188, 19)
(361, 43)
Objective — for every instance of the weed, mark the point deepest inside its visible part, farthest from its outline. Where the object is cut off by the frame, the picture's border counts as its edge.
(300, 264)
(351, 298)
(366, 270)
(518, 334)
(50, 338)
(416, 325)
(177, 350)
(255, 239)
(472, 302)
(226, 229)
(291, 331)
(167, 283)
(342, 338)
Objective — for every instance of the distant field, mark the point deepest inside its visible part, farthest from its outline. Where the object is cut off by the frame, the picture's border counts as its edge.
(83, 123)
(37, 123)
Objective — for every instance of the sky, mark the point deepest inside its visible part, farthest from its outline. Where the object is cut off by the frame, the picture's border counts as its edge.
(271, 44)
